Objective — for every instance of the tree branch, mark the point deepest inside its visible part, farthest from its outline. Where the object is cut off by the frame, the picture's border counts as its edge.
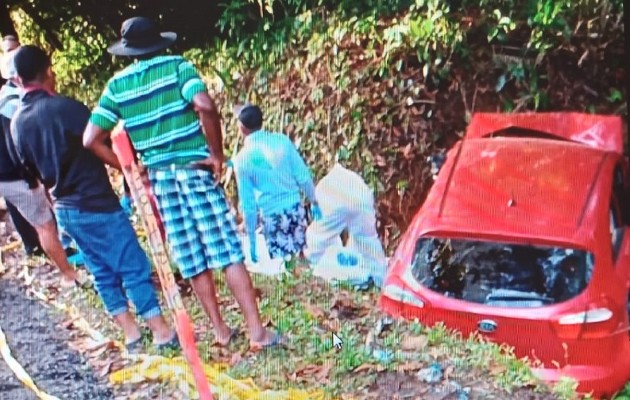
(49, 33)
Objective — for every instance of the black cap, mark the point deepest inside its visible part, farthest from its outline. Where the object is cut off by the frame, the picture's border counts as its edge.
(251, 117)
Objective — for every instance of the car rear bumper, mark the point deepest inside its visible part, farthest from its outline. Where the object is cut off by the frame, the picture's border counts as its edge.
(608, 373)
(602, 381)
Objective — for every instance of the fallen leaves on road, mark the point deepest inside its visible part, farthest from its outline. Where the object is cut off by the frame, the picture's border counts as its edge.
(409, 366)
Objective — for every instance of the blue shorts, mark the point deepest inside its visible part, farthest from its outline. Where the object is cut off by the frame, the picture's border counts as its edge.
(200, 227)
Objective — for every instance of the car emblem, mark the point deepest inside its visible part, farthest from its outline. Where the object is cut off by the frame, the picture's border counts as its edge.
(487, 326)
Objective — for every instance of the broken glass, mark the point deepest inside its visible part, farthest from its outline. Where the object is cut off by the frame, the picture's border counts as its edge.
(501, 274)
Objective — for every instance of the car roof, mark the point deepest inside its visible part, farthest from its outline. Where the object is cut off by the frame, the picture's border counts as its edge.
(604, 132)
(524, 187)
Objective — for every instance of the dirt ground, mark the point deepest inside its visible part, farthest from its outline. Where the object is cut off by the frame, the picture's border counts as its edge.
(39, 343)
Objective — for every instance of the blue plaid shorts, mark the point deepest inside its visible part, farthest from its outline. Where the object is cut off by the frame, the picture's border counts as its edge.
(200, 227)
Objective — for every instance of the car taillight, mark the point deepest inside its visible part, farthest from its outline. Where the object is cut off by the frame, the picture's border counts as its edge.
(397, 293)
(597, 322)
(586, 317)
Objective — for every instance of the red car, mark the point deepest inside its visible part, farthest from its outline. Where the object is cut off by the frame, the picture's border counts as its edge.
(524, 237)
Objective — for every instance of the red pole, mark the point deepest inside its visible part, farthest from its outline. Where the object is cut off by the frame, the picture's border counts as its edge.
(145, 203)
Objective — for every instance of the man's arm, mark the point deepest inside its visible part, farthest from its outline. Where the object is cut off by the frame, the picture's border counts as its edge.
(96, 139)
(301, 173)
(246, 198)
(211, 123)
(25, 156)
(97, 133)
(195, 92)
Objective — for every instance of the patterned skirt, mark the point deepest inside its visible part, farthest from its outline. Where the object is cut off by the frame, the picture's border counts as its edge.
(285, 232)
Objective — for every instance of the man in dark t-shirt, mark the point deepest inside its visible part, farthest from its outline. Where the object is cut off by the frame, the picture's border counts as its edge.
(47, 130)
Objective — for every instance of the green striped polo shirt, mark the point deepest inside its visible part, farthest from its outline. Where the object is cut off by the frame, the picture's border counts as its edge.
(154, 100)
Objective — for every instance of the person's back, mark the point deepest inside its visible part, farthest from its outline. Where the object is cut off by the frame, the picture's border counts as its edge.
(48, 133)
(267, 155)
(164, 103)
(9, 166)
(50, 128)
(344, 190)
(152, 97)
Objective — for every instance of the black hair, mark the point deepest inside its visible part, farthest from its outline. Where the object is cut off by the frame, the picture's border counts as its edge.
(31, 62)
(251, 117)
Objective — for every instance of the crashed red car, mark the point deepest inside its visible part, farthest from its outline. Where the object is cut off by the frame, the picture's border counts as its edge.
(524, 237)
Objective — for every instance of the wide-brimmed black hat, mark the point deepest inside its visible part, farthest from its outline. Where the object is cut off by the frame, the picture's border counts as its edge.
(140, 36)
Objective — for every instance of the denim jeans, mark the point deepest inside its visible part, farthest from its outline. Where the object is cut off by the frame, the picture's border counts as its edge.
(113, 255)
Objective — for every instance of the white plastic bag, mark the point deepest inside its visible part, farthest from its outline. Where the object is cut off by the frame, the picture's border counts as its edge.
(346, 202)
(265, 264)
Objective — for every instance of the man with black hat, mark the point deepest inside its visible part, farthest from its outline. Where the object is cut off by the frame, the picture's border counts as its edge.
(47, 130)
(175, 127)
(270, 173)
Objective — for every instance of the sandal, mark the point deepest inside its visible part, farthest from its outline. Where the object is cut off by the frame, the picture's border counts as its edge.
(134, 347)
(233, 335)
(171, 345)
(277, 341)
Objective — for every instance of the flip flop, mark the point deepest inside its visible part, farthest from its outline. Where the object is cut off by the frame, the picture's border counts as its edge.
(134, 347)
(172, 345)
(277, 341)
(233, 334)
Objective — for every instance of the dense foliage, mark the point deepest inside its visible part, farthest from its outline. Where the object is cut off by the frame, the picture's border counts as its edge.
(389, 82)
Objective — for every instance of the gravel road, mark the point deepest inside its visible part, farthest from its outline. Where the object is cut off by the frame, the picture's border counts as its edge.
(40, 345)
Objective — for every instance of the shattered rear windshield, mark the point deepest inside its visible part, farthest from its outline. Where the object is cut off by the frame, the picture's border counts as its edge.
(501, 274)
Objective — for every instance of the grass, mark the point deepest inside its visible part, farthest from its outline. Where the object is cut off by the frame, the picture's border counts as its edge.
(307, 311)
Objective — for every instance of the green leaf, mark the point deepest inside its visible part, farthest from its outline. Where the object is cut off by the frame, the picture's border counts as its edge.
(615, 95)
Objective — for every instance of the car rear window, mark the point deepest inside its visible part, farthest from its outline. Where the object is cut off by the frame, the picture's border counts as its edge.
(501, 274)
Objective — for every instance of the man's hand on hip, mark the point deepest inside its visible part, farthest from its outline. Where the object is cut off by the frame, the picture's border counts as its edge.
(213, 164)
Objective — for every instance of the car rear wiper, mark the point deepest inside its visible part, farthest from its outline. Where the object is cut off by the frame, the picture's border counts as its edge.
(525, 299)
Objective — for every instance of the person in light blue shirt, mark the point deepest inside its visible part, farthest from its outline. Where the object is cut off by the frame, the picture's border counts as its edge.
(270, 174)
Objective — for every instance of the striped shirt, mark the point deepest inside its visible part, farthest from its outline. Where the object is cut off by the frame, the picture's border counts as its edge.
(154, 99)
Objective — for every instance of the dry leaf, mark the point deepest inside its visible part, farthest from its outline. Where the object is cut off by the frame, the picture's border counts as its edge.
(414, 342)
(236, 358)
(407, 151)
(102, 350)
(92, 345)
(315, 311)
(496, 369)
(410, 366)
(448, 372)
(105, 370)
(364, 368)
